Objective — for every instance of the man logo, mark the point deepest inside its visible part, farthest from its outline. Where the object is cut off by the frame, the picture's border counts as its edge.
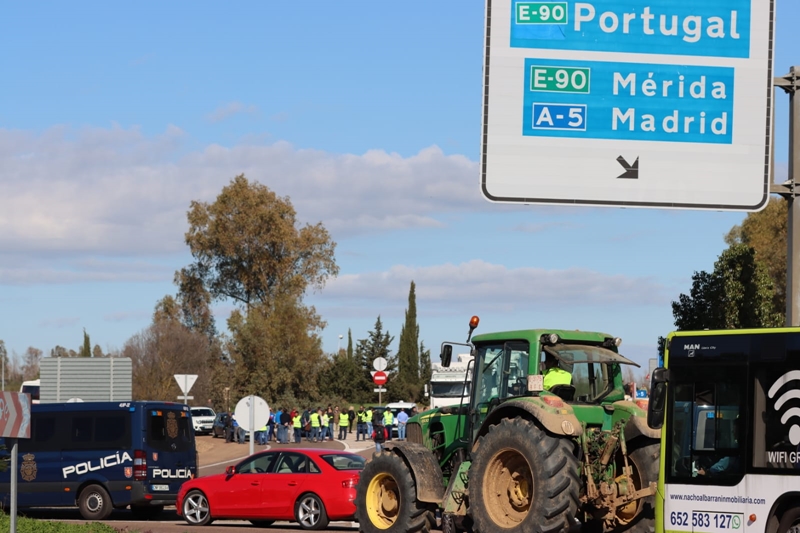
(792, 394)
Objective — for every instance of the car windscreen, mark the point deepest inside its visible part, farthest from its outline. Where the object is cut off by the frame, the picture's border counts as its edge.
(202, 411)
(169, 430)
(344, 461)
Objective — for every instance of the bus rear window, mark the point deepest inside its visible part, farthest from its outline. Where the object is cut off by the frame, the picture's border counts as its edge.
(169, 430)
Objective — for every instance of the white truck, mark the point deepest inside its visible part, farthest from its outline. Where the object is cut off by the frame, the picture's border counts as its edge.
(448, 385)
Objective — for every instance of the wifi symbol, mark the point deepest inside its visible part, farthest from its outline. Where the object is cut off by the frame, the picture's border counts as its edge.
(794, 431)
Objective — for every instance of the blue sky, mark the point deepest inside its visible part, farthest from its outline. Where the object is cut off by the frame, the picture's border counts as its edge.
(366, 114)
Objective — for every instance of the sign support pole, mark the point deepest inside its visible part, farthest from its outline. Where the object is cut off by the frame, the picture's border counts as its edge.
(790, 190)
(14, 470)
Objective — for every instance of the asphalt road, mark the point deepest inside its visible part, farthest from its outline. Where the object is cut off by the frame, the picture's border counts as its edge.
(215, 456)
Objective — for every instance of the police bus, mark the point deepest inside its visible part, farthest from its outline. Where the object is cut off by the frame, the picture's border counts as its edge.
(101, 456)
(729, 403)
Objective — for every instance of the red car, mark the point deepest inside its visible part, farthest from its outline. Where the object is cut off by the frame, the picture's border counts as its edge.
(306, 486)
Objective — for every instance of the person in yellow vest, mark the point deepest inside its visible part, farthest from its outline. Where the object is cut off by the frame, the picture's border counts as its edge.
(324, 420)
(315, 425)
(388, 422)
(344, 424)
(261, 435)
(369, 415)
(297, 424)
(361, 424)
(553, 375)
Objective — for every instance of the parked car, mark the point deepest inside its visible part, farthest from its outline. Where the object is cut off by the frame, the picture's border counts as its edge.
(307, 486)
(203, 420)
(218, 427)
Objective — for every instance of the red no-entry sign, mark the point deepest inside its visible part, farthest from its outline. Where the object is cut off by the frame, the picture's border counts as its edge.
(379, 378)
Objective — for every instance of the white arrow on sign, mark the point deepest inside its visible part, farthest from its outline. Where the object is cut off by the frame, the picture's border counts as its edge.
(185, 382)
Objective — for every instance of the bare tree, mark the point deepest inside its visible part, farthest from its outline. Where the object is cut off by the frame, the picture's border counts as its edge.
(30, 366)
(164, 349)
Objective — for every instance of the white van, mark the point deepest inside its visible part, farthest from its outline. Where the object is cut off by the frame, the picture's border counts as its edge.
(203, 420)
(395, 408)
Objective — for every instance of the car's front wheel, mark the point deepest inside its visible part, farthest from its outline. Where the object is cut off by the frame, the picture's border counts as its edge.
(196, 510)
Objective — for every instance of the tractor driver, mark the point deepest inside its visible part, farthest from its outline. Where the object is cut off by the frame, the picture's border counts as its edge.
(554, 375)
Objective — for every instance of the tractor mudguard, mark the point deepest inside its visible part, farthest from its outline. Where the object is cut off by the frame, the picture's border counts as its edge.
(556, 420)
(637, 421)
(424, 467)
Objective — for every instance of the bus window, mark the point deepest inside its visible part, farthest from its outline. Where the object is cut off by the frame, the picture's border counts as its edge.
(705, 424)
(169, 430)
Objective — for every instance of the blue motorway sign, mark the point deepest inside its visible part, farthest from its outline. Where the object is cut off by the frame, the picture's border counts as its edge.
(701, 27)
(650, 103)
(638, 101)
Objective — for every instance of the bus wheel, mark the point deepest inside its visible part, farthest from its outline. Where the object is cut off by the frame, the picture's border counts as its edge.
(639, 516)
(524, 480)
(790, 521)
(94, 503)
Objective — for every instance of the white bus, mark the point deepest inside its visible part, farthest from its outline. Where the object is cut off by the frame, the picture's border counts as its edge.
(32, 388)
(729, 403)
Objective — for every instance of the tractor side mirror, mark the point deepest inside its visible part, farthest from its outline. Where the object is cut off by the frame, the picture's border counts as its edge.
(658, 398)
(447, 355)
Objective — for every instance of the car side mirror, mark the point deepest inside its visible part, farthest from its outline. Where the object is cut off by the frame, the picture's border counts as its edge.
(230, 470)
(658, 397)
(447, 355)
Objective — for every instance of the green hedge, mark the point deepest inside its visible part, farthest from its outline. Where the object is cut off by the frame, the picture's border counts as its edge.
(29, 525)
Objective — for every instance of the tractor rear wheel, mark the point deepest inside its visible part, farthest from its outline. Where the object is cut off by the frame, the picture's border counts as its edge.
(523, 480)
(640, 516)
(386, 498)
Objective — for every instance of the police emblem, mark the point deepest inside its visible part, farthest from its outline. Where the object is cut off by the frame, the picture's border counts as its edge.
(155, 456)
(28, 468)
(128, 471)
(172, 425)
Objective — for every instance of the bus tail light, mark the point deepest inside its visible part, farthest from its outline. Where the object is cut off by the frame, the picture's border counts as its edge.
(139, 465)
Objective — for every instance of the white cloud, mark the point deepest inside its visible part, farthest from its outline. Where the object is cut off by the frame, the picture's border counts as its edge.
(230, 109)
(495, 287)
(118, 192)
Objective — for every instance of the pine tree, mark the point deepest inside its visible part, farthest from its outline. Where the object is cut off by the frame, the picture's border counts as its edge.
(407, 385)
(424, 364)
(349, 344)
(86, 350)
(367, 350)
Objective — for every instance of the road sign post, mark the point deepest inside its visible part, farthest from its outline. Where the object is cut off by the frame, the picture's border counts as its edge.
(185, 382)
(609, 102)
(252, 412)
(15, 424)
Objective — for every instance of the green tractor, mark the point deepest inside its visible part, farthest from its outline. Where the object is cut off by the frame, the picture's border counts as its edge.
(547, 443)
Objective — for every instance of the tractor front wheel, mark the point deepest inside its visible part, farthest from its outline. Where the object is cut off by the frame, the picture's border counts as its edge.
(386, 498)
(523, 480)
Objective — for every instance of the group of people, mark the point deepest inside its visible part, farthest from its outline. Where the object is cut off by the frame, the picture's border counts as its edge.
(320, 424)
